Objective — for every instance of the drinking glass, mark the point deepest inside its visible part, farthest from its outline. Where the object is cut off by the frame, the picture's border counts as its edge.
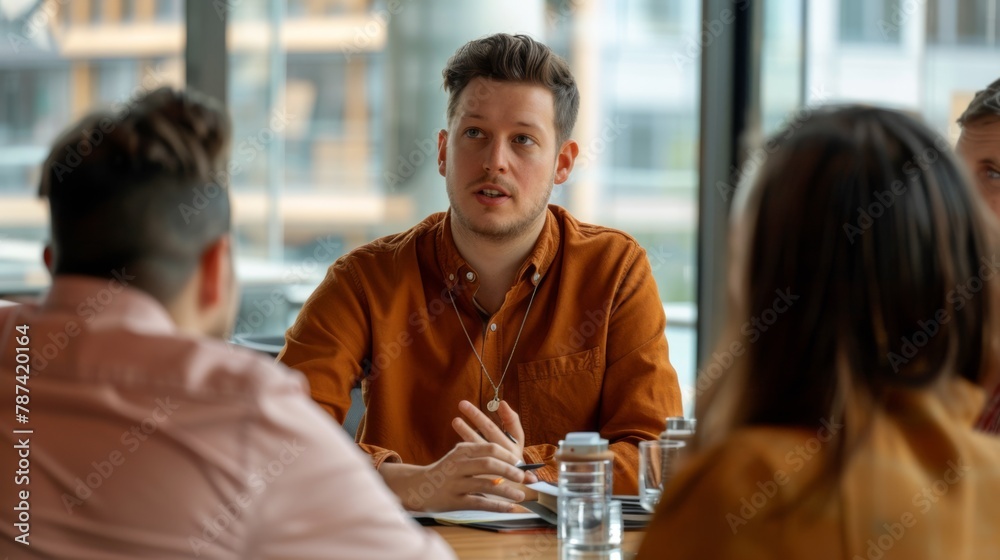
(657, 461)
(593, 530)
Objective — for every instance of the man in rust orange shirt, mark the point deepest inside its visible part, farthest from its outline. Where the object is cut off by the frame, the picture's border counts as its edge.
(504, 308)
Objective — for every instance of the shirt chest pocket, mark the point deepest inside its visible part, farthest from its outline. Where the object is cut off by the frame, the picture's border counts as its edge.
(560, 395)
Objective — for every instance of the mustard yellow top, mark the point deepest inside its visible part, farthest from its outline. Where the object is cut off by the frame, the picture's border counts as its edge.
(920, 484)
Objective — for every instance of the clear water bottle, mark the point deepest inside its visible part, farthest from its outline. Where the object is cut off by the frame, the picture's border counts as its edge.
(590, 524)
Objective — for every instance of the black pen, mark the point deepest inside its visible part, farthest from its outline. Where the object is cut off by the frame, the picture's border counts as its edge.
(523, 466)
(505, 432)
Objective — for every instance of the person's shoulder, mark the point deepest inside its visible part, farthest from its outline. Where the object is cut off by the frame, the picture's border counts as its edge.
(219, 371)
(575, 230)
(390, 245)
(955, 406)
(713, 503)
(601, 242)
(775, 460)
(758, 446)
(983, 448)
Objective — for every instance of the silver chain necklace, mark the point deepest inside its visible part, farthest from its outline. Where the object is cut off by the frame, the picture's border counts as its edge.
(494, 404)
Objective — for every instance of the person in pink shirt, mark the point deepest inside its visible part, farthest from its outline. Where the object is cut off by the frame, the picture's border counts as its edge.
(132, 429)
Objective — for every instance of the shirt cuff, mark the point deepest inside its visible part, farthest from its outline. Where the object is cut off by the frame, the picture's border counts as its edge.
(385, 457)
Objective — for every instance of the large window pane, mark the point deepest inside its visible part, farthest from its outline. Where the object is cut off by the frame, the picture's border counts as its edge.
(947, 51)
(969, 22)
(336, 105)
(871, 21)
(781, 63)
(58, 61)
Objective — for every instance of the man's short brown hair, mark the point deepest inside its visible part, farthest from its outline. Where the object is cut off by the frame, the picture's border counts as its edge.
(985, 104)
(515, 58)
(141, 191)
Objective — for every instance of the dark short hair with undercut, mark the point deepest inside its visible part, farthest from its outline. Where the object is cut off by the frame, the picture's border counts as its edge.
(515, 58)
(986, 103)
(141, 191)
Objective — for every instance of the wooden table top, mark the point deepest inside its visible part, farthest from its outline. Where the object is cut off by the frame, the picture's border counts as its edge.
(476, 544)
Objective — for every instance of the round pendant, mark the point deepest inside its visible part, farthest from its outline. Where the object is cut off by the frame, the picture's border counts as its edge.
(493, 405)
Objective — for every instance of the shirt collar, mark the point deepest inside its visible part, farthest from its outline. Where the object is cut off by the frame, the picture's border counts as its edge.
(454, 268)
(107, 302)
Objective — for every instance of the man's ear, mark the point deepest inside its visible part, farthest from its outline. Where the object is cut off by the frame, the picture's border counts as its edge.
(442, 151)
(48, 257)
(564, 161)
(214, 263)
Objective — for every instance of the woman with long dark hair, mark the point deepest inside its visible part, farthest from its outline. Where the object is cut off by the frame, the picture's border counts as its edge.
(863, 301)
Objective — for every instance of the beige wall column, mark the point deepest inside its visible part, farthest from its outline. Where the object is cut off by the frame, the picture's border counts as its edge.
(582, 195)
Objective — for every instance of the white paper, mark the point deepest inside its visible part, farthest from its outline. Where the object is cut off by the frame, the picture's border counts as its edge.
(473, 516)
(545, 488)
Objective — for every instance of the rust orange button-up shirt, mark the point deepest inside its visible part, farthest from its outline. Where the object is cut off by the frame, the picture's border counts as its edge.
(592, 355)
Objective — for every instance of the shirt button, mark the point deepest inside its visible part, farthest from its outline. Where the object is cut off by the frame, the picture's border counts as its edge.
(470, 276)
(536, 278)
(451, 277)
(493, 327)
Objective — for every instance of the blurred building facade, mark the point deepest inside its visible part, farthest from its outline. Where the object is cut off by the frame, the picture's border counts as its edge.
(337, 103)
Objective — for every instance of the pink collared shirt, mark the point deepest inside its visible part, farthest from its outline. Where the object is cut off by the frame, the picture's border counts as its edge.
(148, 443)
